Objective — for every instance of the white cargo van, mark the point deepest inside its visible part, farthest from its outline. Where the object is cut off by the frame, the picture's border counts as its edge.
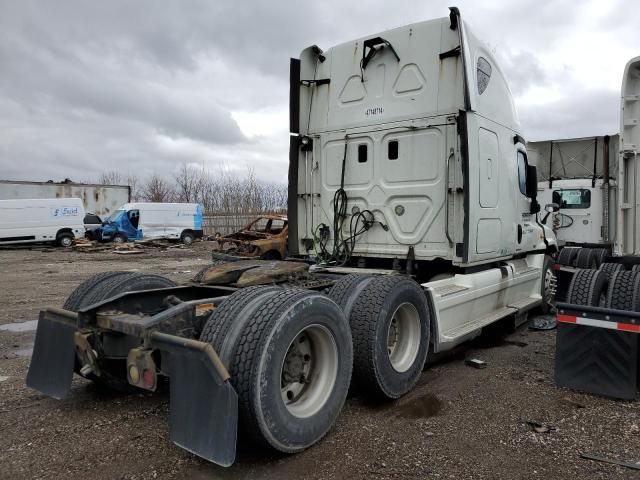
(58, 220)
(135, 221)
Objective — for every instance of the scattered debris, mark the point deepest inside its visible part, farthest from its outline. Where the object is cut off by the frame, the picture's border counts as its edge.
(541, 428)
(244, 273)
(475, 363)
(127, 248)
(3, 378)
(543, 323)
(622, 463)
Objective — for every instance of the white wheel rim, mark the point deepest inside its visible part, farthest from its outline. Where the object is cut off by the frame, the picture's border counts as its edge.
(404, 337)
(309, 371)
(549, 285)
(187, 240)
(66, 242)
(118, 239)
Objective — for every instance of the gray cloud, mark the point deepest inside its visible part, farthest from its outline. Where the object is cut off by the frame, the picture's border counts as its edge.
(142, 86)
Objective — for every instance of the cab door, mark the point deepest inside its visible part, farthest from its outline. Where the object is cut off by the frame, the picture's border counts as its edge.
(490, 221)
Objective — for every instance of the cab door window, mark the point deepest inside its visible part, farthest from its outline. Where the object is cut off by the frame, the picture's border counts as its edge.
(522, 172)
(572, 198)
(134, 218)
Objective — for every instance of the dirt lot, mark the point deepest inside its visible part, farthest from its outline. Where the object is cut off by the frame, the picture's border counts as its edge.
(458, 423)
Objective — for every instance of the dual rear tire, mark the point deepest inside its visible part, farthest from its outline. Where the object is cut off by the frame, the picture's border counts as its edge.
(289, 353)
(390, 325)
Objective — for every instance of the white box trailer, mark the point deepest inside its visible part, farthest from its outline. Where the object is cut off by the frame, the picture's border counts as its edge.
(579, 175)
(99, 199)
(56, 220)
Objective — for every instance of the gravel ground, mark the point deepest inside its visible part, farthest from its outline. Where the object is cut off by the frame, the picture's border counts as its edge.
(459, 422)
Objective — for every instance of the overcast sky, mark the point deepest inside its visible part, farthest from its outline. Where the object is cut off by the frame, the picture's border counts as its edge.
(143, 86)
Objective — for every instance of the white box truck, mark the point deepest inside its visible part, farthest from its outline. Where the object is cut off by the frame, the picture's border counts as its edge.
(56, 220)
(137, 221)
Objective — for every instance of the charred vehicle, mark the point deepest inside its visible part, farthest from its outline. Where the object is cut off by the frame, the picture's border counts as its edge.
(413, 225)
(265, 237)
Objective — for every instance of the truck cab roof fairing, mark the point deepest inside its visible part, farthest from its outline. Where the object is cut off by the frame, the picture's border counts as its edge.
(402, 82)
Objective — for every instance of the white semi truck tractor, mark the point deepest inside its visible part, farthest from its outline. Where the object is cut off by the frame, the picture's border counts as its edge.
(413, 225)
(593, 182)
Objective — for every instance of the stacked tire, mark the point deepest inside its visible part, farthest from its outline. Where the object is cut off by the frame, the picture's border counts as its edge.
(624, 291)
(610, 268)
(610, 287)
(582, 257)
(567, 256)
(588, 287)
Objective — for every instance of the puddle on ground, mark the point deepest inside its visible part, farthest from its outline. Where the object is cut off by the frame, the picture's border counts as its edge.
(28, 326)
(422, 407)
(24, 352)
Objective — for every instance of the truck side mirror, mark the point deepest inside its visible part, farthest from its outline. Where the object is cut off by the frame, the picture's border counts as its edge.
(532, 187)
(551, 207)
(532, 182)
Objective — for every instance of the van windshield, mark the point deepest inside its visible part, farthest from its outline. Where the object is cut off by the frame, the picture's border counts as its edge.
(114, 217)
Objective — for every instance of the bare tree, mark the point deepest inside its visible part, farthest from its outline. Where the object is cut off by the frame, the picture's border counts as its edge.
(157, 189)
(111, 177)
(134, 186)
(188, 181)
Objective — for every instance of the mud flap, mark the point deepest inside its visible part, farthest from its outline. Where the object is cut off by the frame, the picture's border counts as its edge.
(203, 416)
(51, 368)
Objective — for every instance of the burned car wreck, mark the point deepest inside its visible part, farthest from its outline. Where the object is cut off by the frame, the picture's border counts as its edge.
(265, 237)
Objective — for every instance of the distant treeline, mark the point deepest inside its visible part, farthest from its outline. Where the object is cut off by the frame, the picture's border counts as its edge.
(219, 192)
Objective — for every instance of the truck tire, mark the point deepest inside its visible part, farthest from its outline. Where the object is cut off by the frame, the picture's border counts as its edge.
(567, 255)
(233, 314)
(547, 286)
(635, 269)
(600, 254)
(346, 290)
(390, 326)
(588, 287)
(586, 258)
(75, 301)
(610, 268)
(294, 334)
(65, 239)
(126, 282)
(198, 276)
(624, 291)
